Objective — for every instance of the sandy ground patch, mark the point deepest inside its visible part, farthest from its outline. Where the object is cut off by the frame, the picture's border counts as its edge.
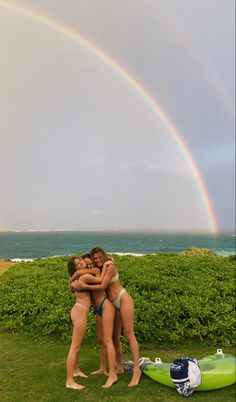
(5, 265)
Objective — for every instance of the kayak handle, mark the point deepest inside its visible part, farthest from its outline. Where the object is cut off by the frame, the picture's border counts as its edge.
(158, 360)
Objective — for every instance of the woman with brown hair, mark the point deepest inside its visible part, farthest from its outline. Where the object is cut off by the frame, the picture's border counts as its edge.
(123, 304)
(79, 318)
(99, 332)
(105, 310)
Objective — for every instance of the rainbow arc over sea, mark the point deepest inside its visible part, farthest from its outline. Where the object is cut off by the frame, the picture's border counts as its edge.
(83, 42)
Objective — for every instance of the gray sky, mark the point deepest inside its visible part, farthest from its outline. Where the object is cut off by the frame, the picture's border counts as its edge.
(80, 148)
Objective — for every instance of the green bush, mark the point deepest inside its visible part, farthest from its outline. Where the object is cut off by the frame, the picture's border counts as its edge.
(197, 251)
(176, 297)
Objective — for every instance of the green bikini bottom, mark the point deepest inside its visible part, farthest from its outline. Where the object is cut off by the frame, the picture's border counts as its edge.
(99, 310)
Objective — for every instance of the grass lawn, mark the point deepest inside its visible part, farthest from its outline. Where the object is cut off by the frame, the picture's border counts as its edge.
(33, 370)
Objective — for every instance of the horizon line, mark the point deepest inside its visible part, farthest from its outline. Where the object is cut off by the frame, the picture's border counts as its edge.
(120, 230)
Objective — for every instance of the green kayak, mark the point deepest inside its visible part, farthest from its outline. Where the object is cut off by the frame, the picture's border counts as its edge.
(217, 371)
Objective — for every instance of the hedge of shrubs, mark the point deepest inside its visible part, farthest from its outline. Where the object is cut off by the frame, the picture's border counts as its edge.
(176, 297)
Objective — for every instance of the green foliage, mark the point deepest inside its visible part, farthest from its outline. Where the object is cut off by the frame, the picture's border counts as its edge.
(176, 297)
(197, 251)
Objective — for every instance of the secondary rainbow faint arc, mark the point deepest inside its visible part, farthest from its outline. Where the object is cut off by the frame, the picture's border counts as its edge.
(124, 73)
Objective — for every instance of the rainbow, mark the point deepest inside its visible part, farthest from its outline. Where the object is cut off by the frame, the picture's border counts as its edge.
(126, 75)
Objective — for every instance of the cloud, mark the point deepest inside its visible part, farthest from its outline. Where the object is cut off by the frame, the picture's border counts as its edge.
(82, 148)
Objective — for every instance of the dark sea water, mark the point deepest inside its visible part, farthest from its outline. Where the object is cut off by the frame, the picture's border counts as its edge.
(29, 245)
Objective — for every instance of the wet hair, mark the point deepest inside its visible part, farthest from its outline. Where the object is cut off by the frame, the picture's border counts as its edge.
(98, 250)
(71, 265)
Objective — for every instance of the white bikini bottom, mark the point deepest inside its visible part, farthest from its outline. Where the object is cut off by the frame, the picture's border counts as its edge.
(116, 302)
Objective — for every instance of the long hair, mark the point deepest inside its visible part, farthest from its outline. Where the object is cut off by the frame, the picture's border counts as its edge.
(98, 250)
(71, 265)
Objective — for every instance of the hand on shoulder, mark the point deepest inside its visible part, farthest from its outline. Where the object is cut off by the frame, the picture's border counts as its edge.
(109, 262)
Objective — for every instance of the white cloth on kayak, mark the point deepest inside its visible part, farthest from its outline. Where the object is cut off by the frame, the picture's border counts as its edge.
(186, 375)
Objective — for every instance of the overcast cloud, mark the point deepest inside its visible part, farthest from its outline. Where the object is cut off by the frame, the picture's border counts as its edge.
(80, 148)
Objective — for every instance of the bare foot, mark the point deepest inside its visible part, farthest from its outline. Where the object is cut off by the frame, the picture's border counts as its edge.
(135, 378)
(110, 381)
(99, 371)
(74, 385)
(119, 370)
(79, 373)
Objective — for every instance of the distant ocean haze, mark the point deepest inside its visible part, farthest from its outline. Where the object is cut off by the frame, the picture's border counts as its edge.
(42, 244)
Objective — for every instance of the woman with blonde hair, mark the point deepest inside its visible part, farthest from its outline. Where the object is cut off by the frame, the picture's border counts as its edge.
(123, 304)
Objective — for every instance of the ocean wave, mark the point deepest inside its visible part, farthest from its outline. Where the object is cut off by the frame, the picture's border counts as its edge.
(222, 253)
(135, 254)
(36, 258)
(22, 259)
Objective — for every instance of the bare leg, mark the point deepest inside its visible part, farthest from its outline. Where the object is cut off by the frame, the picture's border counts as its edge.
(117, 342)
(127, 315)
(79, 318)
(79, 373)
(108, 315)
(103, 352)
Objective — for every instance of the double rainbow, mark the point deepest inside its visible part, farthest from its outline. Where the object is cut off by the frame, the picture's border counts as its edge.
(136, 86)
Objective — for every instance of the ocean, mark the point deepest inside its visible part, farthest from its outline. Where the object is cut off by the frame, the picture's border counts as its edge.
(36, 244)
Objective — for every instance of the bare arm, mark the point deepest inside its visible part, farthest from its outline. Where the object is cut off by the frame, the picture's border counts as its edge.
(105, 265)
(105, 280)
(71, 289)
(91, 271)
(85, 279)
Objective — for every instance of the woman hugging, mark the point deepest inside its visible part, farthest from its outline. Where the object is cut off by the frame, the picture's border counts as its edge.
(95, 278)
